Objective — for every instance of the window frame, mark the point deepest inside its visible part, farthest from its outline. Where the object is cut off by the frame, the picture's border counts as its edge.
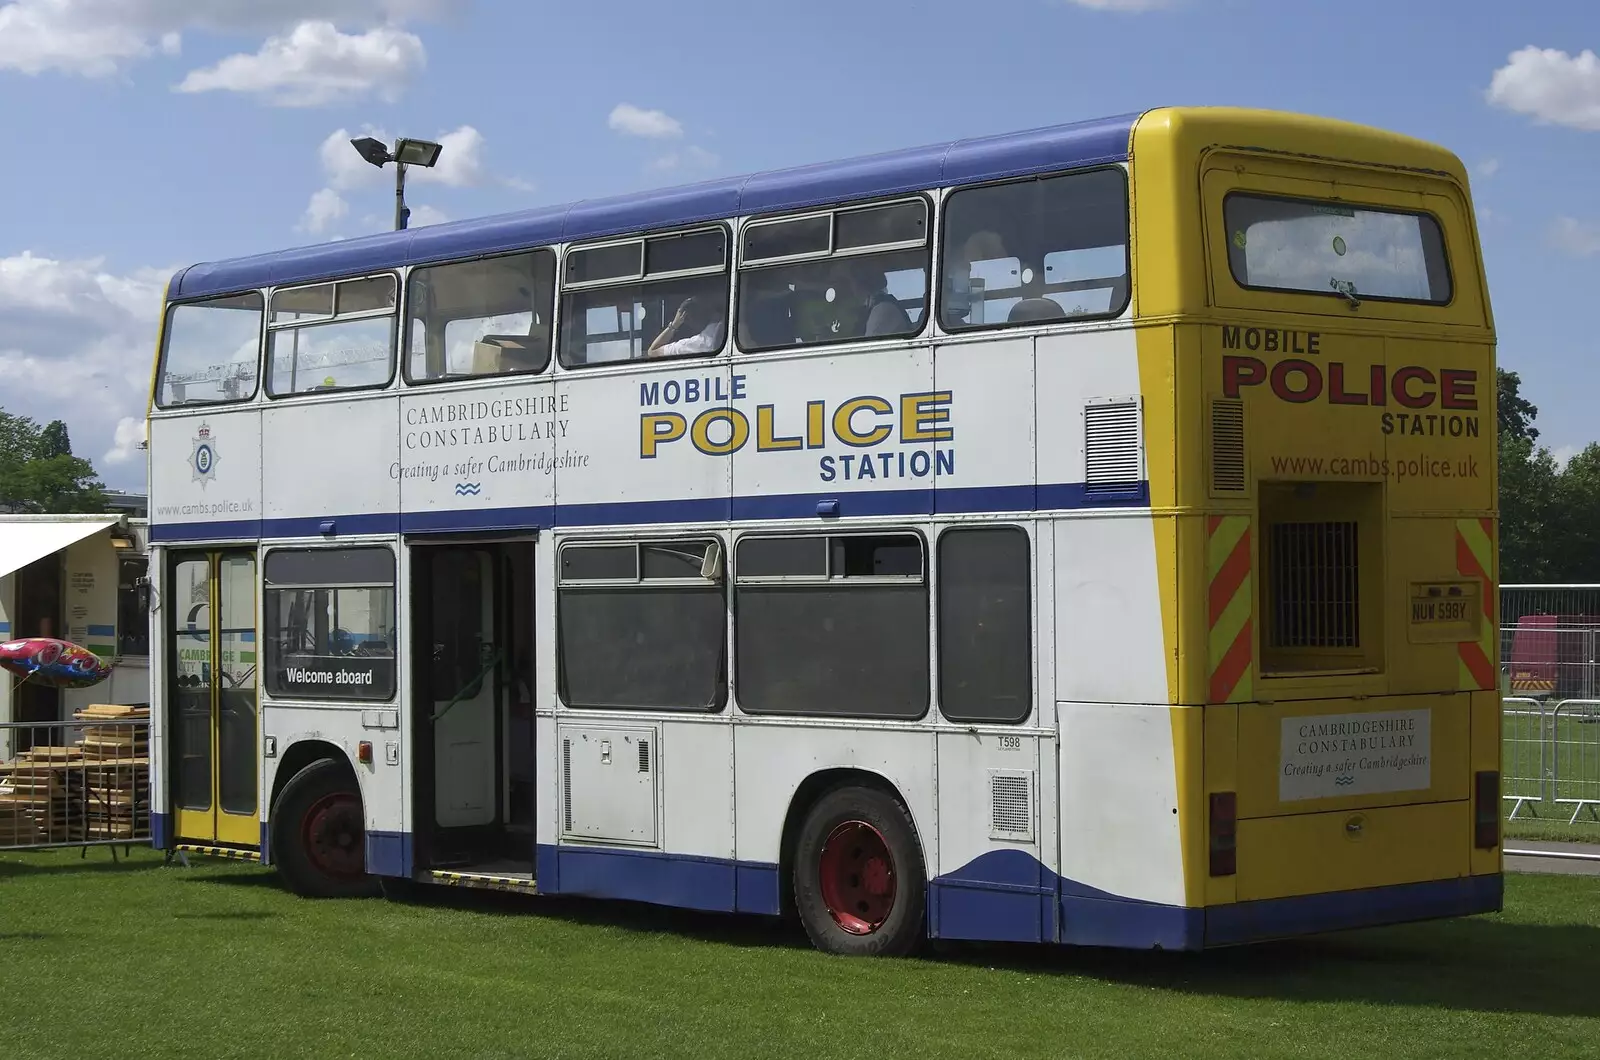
(1356, 205)
(403, 344)
(1113, 313)
(827, 536)
(1029, 602)
(395, 314)
(643, 278)
(722, 587)
(166, 349)
(267, 634)
(768, 220)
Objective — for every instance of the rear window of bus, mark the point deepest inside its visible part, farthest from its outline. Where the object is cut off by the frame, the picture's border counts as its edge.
(1337, 249)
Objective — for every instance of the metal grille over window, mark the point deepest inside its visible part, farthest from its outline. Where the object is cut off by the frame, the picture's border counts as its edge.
(1314, 575)
(1227, 446)
(1111, 448)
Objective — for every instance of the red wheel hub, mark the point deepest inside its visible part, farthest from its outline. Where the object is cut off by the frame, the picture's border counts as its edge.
(857, 877)
(332, 834)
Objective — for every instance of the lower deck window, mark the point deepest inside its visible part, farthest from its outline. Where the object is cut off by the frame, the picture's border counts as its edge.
(985, 625)
(641, 626)
(330, 623)
(832, 625)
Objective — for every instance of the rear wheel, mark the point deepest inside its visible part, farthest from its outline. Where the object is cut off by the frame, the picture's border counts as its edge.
(319, 834)
(858, 875)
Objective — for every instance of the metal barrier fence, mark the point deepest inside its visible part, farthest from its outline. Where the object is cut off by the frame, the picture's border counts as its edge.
(1550, 684)
(78, 783)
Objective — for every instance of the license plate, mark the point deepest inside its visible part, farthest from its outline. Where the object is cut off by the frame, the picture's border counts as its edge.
(1444, 611)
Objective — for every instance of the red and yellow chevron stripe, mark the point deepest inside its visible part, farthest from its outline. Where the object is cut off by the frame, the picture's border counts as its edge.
(1475, 559)
(1231, 609)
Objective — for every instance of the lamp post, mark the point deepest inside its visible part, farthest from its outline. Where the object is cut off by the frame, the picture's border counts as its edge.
(406, 152)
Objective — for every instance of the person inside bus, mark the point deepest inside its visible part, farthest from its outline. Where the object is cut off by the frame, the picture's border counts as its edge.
(863, 292)
(697, 327)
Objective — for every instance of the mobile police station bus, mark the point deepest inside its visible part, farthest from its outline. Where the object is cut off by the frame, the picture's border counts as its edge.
(1081, 535)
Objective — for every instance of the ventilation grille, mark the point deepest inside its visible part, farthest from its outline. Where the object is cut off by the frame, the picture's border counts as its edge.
(1314, 573)
(1011, 806)
(1111, 447)
(1227, 446)
(644, 756)
(566, 785)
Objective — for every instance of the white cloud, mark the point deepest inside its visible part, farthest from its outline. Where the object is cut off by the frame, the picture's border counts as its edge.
(690, 159)
(1581, 239)
(96, 38)
(76, 342)
(1488, 167)
(126, 440)
(1550, 86)
(426, 215)
(315, 64)
(636, 121)
(326, 207)
(462, 164)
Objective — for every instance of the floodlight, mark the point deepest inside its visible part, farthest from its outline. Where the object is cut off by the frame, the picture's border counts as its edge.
(417, 152)
(373, 151)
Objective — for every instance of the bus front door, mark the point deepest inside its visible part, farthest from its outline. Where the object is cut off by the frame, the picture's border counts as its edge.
(211, 699)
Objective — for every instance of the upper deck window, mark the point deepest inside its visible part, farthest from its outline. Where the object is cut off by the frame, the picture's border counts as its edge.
(477, 318)
(331, 336)
(1335, 249)
(655, 296)
(840, 276)
(213, 351)
(1039, 251)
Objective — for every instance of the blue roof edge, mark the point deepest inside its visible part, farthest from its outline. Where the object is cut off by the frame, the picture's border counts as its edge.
(1095, 141)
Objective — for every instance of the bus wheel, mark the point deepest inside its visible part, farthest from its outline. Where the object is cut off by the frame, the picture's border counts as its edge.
(319, 834)
(858, 875)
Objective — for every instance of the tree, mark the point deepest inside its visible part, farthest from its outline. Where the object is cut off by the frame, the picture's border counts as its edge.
(54, 440)
(1517, 413)
(38, 472)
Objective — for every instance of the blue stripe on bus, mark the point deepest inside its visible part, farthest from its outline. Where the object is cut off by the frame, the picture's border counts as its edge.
(1273, 918)
(1087, 143)
(1060, 496)
(1000, 896)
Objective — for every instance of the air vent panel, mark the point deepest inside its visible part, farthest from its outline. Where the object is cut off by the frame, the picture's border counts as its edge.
(1227, 447)
(1112, 446)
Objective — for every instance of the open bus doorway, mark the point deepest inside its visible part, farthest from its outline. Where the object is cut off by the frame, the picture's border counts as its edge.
(472, 707)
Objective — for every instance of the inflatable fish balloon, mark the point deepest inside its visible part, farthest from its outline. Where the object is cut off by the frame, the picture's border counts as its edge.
(54, 663)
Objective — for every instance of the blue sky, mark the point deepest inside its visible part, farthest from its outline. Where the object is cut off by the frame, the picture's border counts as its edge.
(146, 134)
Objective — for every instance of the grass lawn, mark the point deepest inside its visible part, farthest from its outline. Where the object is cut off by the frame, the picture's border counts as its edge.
(135, 959)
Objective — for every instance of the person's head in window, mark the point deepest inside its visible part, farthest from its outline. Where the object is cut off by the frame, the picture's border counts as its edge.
(696, 327)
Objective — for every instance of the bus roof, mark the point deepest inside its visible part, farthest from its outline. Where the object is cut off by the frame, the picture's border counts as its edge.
(1101, 140)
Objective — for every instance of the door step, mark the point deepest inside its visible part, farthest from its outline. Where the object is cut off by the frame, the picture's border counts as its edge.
(519, 882)
(232, 853)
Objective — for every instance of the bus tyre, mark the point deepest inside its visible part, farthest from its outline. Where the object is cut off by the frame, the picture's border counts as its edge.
(858, 875)
(319, 834)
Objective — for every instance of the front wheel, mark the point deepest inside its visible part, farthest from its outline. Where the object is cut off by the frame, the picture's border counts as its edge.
(858, 875)
(319, 834)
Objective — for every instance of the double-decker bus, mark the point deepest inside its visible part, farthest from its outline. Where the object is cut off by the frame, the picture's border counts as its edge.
(1082, 535)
